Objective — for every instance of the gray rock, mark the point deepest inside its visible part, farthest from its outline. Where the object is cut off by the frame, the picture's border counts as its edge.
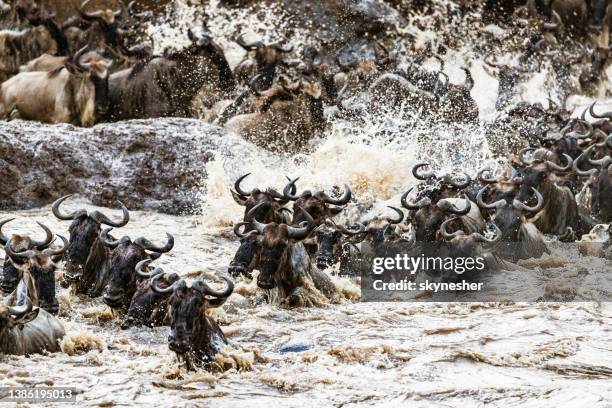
(147, 164)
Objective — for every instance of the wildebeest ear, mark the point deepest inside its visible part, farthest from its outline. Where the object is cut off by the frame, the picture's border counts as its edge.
(241, 200)
(28, 317)
(215, 302)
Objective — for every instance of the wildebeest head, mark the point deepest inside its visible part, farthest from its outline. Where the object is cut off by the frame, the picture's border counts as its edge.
(275, 241)
(267, 57)
(9, 275)
(106, 17)
(272, 202)
(318, 205)
(192, 332)
(429, 214)
(38, 266)
(509, 213)
(382, 229)
(537, 173)
(330, 242)
(147, 306)
(98, 72)
(463, 244)
(84, 236)
(125, 256)
(439, 187)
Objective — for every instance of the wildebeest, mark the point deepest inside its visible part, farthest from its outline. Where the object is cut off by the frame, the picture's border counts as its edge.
(265, 206)
(455, 104)
(147, 307)
(194, 336)
(17, 47)
(267, 57)
(460, 244)
(166, 85)
(10, 276)
(125, 255)
(108, 20)
(559, 211)
(286, 117)
(601, 180)
(520, 239)
(318, 205)
(429, 215)
(285, 264)
(25, 330)
(37, 272)
(87, 259)
(75, 93)
(334, 244)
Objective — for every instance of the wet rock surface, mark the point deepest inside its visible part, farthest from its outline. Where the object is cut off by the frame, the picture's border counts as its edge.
(149, 164)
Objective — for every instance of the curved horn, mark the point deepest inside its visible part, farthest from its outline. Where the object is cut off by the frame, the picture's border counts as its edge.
(149, 274)
(76, 60)
(54, 252)
(586, 135)
(449, 207)
(48, 238)
(103, 219)
(240, 190)
(606, 115)
(20, 311)
(409, 205)
(107, 241)
(400, 216)
(423, 176)
(259, 227)
(522, 206)
(290, 190)
(119, 11)
(577, 170)
(345, 198)
(556, 22)
(149, 246)
(167, 290)
(3, 238)
(208, 291)
(65, 217)
(86, 15)
(556, 167)
(18, 256)
(304, 228)
(448, 235)
(482, 204)
(243, 235)
(604, 162)
(249, 47)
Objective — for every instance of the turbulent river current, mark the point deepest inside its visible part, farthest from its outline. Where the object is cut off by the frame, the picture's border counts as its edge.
(347, 354)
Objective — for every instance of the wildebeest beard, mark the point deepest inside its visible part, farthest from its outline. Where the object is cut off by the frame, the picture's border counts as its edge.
(44, 276)
(86, 257)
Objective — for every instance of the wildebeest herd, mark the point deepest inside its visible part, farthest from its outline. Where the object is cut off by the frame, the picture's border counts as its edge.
(89, 70)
